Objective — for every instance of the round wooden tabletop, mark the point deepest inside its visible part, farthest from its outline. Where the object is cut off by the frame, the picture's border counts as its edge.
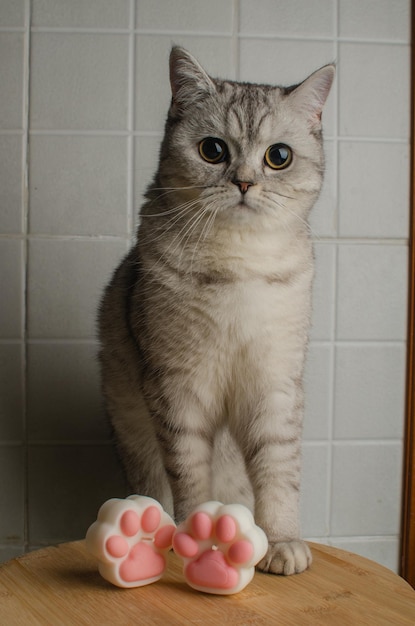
(61, 586)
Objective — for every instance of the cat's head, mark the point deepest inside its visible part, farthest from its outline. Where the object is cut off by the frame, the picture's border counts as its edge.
(243, 150)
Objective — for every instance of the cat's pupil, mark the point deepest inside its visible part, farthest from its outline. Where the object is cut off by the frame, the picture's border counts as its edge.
(213, 150)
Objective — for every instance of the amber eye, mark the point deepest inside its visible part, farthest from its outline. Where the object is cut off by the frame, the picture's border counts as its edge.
(213, 150)
(278, 156)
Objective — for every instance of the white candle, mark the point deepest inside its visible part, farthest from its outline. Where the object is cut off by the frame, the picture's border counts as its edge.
(220, 544)
(130, 539)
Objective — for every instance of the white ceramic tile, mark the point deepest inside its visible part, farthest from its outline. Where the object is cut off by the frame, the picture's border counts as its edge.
(317, 381)
(78, 13)
(79, 81)
(382, 550)
(66, 279)
(375, 19)
(214, 16)
(366, 489)
(323, 217)
(323, 292)
(373, 189)
(11, 74)
(369, 391)
(153, 93)
(12, 13)
(374, 90)
(12, 494)
(304, 58)
(313, 508)
(78, 185)
(67, 485)
(11, 184)
(64, 398)
(372, 292)
(281, 18)
(11, 288)
(11, 396)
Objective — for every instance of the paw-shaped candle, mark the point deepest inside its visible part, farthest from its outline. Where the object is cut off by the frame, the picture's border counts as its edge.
(131, 539)
(220, 545)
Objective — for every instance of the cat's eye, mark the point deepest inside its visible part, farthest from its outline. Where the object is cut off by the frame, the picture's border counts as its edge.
(213, 150)
(278, 156)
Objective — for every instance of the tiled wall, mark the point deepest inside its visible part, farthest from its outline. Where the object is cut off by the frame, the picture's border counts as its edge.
(84, 94)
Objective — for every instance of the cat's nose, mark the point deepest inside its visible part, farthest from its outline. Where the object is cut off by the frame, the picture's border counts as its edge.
(243, 185)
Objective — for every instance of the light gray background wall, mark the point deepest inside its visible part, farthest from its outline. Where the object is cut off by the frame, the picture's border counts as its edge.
(83, 99)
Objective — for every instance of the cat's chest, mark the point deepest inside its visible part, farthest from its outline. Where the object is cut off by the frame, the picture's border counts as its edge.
(241, 312)
(250, 305)
(233, 293)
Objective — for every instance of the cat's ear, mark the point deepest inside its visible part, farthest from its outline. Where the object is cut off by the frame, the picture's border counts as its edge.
(310, 96)
(189, 81)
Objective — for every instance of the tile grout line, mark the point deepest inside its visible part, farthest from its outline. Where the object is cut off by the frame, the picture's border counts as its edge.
(84, 132)
(235, 38)
(324, 240)
(130, 122)
(341, 343)
(332, 381)
(25, 281)
(74, 30)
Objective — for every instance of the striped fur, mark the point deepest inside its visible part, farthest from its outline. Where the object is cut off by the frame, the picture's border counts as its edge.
(204, 325)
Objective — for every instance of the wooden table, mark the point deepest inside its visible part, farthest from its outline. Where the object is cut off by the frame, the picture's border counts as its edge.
(60, 586)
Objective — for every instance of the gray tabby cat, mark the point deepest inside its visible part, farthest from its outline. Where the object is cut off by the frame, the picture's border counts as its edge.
(204, 325)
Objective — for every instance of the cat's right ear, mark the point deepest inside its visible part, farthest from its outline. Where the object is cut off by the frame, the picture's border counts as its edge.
(189, 81)
(310, 96)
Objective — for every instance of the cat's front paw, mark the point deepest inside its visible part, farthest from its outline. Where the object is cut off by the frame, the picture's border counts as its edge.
(286, 557)
(131, 539)
(220, 546)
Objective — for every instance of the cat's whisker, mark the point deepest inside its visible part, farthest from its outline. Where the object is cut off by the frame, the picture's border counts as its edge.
(205, 230)
(179, 188)
(186, 208)
(170, 211)
(210, 222)
(191, 226)
(271, 195)
(179, 238)
(180, 211)
(169, 190)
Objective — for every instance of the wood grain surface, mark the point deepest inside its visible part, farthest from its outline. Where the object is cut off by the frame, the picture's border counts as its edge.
(61, 586)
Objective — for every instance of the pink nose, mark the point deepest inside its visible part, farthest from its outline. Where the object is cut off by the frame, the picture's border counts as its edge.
(243, 185)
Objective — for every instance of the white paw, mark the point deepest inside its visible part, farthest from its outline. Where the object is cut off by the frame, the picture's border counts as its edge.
(220, 546)
(286, 557)
(131, 539)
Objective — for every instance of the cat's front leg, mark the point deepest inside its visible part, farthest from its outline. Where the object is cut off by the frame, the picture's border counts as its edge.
(187, 451)
(272, 451)
(286, 557)
(187, 459)
(276, 489)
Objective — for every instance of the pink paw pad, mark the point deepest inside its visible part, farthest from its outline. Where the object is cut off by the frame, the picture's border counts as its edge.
(220, 546)
(131, 539)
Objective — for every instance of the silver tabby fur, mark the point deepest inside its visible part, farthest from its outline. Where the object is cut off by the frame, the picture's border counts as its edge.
(204, 325)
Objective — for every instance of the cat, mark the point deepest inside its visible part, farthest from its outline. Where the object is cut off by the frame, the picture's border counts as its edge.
(204, 325)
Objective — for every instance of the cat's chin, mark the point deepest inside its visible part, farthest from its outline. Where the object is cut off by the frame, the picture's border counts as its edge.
(242, 211)
(250, 207)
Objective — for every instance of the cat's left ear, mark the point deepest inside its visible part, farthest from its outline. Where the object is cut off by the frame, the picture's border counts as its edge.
(310, 96)
(189, 81)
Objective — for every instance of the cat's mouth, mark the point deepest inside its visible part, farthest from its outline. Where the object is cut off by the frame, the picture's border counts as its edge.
(245, 203)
